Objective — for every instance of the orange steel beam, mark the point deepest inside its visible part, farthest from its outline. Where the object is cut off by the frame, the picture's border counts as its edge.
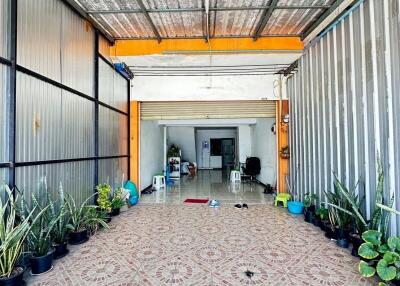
(246, 45)
(282, 108)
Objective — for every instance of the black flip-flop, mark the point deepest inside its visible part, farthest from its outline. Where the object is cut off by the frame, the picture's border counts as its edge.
(239, 206)
(245, 206)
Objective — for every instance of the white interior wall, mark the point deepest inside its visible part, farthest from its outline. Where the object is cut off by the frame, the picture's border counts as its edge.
(183, 137)
(264, 147)
(151, 151)
(245, 138)
(203, 156)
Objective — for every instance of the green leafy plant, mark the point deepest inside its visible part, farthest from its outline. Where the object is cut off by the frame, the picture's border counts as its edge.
(12, 233)
(322, 213)
(39, 239)
(117, 201)
(173, 151)
(310, 200)
(388, 255)
(103, 199)
(59, 209)
(83, 216)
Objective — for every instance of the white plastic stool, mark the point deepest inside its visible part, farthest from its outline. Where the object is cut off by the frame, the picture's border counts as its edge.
(158, 182)
(235, 176)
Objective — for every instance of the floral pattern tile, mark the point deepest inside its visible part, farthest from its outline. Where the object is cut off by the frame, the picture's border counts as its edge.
(171, 244)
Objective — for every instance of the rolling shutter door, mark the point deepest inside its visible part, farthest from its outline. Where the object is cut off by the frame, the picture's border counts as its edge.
(207, 110)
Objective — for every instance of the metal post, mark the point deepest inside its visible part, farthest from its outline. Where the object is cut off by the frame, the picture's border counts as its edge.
(96, 107)
(129, 127)
(11, 111)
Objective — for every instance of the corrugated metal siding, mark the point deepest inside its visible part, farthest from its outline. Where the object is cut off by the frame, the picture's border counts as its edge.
(76, 178)
(113, 171)
(104, 48)
(3, 112)
(77, 52)
(206, 109)
(4, 27)
(112, 133)
(52, 124)
(113, 87)
(344, 106)
(39, 36)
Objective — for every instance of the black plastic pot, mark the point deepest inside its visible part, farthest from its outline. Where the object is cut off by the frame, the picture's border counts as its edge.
(342, 238)
(60, 250)
(356, 241)
(78, 237)
(395, 282)
(115, 212)
(108, 218)
(330, 232)
(16, 278)
(323, 224)
(308, 215)
(316, 221)
(41, 264)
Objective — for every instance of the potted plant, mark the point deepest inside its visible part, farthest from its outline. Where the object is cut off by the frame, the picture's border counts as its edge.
(81, 217)
(117, 202)
(12, 237)
(103, 199)
(309, 206)
(321, 215)
(60, 230)
(39, 240)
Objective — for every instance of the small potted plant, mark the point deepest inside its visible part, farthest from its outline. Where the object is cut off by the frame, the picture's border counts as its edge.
(60, 230)
(81, 217)
(13, 236)
(309, 206)
(39, 239)
(322, 214)
(103, 199)
(117, 202)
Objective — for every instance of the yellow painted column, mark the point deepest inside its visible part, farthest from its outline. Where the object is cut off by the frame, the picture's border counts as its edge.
(135, 141)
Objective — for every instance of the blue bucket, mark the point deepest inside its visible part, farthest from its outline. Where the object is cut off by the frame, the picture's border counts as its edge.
(295, 207)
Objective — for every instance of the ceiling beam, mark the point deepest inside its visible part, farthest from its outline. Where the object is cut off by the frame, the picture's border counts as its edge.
(78, 9)
(146, 14)
(266, 15)
(321, 17)
(180, 10)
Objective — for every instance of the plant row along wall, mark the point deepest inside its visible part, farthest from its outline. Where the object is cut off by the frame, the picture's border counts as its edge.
(71, 116)
(344, 103)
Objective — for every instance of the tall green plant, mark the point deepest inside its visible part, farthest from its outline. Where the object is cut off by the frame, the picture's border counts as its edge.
(12, 234)
(82, 216)
(103, 198)
(40, 240)
(59, 209)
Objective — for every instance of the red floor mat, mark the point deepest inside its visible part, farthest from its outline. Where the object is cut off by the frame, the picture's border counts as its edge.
(196, 201)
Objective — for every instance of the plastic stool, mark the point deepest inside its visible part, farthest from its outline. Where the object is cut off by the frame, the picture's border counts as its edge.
(283, 198)
(158, 182)
(235, 176)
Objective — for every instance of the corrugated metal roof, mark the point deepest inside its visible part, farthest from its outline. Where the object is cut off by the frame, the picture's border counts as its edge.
(187, 19)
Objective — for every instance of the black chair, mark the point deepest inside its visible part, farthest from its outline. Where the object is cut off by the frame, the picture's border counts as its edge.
(252, 168)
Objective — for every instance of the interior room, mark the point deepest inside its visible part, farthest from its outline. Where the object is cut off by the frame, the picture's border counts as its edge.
(199, 142)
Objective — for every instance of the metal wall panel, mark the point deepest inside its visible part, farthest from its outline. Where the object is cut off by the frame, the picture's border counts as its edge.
(113, 133)
(345, 108)
(39, 36)
(113, 87)
(113, 171)
(4, 27)
(3, 112)
(76, 178)
(104, 48)
(77, 52)
(51, 123)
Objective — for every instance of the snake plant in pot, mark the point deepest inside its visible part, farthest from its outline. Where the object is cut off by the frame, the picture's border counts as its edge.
(40, 240)
(81, 218)
(60, 230)
(12, 237)
(103, 199)
(309, 206)
(117, 202)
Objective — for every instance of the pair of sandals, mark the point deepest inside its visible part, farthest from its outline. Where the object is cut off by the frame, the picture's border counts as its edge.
(242, 206)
